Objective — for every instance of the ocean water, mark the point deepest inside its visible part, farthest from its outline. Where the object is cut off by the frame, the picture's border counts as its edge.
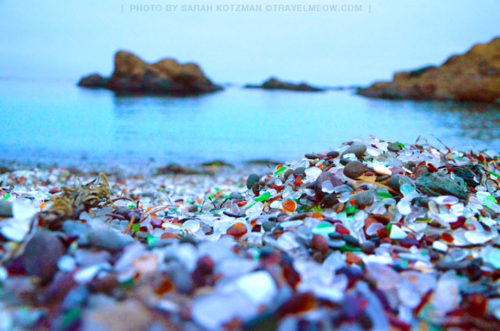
(57, 122)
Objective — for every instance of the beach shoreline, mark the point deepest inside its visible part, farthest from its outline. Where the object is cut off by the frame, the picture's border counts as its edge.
(345, 237)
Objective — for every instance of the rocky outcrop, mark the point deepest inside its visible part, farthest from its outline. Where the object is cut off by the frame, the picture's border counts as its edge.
(473, 76)
(275, 84)
(93, 81)
(132, 75)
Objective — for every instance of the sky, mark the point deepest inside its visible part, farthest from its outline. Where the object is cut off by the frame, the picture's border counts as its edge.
(355, 43)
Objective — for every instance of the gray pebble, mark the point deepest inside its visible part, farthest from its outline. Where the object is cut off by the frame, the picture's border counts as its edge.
(350, 240)
(252, 180)
(333, 154)
(354, 169)
(268, 225)
(364, 199)
(368, 247)
(356, 149)
(108, 239)
(42, 254)
(393, 148)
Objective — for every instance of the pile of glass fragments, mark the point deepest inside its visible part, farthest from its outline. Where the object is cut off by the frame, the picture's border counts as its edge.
(373, 235)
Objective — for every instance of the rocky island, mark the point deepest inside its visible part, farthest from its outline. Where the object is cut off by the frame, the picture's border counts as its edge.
(473, 76)
(275, 84)
(132, 75)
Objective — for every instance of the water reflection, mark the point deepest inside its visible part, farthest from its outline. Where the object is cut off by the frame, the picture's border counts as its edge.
(475, 121)
(236, 124)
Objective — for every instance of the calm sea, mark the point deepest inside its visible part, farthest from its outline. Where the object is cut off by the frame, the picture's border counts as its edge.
(55, 121)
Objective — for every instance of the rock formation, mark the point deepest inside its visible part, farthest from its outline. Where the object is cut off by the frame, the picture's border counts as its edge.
(132, 75)
(473, 76)
(275, 84)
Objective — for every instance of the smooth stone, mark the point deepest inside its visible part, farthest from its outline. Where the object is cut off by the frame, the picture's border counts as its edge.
(368, 247)
(394, 148)
(268, 225)
(42, 254)
(434, 184)
(344, 161)
(329, 201)
(6, 209)
(335, 236)
(75, 229)
(319, 244)
(321, 183)
(395, 182)
(354, 169)
(252, 180)
(350, 240)
(356, 149)
(333, 154)
(108, 239)
(364, 199)
(311, 156)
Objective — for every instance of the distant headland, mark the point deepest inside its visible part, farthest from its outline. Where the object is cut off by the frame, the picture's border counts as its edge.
(473, 76)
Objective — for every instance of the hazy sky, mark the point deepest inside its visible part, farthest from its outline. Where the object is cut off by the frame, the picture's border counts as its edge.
(350, 45)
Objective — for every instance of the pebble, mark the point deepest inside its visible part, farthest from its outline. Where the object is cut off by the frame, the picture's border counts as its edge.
(364, 199)
(368, 247)
(326, 182)
(329, 201)
(335, 236)
(252, 180)
(319, 244)
(42, 254)
(395, 182)
(394, 147)
(311, 156)
(435, 184)
(344, 161)
(354, 169)
(333, 154)
(356, 149)
(108, 239)
(350, 240)
(268, 225)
